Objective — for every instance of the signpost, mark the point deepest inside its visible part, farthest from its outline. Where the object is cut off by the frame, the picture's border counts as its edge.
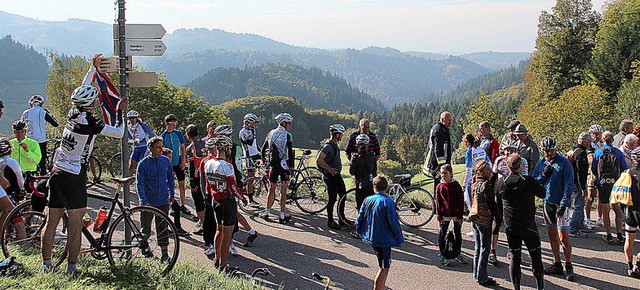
(112, 64)
(141, 31)
(145, 47)
(143, 79)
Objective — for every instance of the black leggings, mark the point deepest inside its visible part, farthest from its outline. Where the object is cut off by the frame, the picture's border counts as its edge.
(209, 225)
(335, 187)
(42, 165)
(531, 238)
(363, 193)
(176, 213)
(198, 198)
(457, 232)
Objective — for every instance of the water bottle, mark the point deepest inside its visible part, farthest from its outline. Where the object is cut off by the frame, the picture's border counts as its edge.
(86, 220)
(102, 215)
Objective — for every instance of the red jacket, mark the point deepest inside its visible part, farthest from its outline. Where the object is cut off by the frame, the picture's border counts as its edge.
(449, 200)
(494, 150)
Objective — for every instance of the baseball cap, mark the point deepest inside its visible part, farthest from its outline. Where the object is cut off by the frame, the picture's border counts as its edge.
(521, 129)
(584, 136)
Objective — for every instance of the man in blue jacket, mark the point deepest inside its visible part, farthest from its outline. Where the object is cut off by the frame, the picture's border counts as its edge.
(608, 163)
(378, 226)
(155, 188)
(555, 173)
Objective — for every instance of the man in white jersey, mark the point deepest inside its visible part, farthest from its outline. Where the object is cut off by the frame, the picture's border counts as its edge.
(592, 190)
(250, 151)
(37, 118)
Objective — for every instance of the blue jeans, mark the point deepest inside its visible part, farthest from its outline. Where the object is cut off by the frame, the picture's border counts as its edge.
(577, 218)
(481, 253)
(467, 195)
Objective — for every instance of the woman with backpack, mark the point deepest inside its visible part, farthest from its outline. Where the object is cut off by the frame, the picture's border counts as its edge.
(328, 161)
(449, 207)
(483, 211)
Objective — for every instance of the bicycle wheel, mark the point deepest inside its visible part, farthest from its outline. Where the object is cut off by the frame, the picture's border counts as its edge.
(415, 207)
(348, 202)
(146, 246)
(259, 196)
(311, 171)
(21, 230)
(115, 165)
(311, 195)
(94, 171)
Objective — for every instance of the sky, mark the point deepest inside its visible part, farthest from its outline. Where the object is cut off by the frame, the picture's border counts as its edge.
(451, 26)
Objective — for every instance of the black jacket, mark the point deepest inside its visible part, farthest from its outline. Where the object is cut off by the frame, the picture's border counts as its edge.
(516, 200)
(364, 168)
(439, 147)
(580, 165)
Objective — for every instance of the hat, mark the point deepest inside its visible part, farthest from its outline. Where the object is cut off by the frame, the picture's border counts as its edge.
(513, 124)
(584, 136)
(521, 129)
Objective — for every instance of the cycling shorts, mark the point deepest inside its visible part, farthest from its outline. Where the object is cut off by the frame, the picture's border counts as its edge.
(68, 190)
(179, 173)
(384, 256)
(552, 220)
(226, 211)
(138, 153)
(633, 221)
(251, 162)
(604, 194)
(278, 172)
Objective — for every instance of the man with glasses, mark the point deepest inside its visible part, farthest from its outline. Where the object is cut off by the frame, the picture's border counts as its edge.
(555, 173)
(174, 140)
(364, 127)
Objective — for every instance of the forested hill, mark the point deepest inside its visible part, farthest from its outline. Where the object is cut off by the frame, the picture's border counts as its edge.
(20, 62)
(311, 86)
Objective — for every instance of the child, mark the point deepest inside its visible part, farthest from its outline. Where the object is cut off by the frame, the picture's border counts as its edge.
(449, 207)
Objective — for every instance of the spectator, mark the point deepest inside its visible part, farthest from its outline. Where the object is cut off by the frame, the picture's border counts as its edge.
(36, 119)
(364, 127)
(630, 143)
(633, 216)
(439, 147)
(510, 135)
(488, 142)
(580, 165)
(484, 195)
(449, 207)
(474, 155)
(626, 127)
(636, 131)
(195, 154)
(527, 148)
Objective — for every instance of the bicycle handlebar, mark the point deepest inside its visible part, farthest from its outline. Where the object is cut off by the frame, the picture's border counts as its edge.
(33, 184)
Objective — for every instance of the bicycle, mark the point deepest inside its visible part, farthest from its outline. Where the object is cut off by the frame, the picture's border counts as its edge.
(305, 188)
(94, 172)
(122, 241)
(115, 164)
(415, 205)
(328, 284)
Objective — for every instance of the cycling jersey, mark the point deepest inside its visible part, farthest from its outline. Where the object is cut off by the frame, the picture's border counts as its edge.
(141, 132)
(173, 140)
(196, 153)
(501, 168)
(36, 119)
(279, 143)
(217, 177)
(78, 137)
(12, 172)
(558, 186)
(474, 155)
(597, 145)
(249, 142)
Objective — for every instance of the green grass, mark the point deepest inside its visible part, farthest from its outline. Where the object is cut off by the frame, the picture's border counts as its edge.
(98, 275)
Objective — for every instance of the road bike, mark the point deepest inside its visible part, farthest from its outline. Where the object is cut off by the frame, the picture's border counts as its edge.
(94, 172)
(123, 239)
(415, 205)
(305, 188)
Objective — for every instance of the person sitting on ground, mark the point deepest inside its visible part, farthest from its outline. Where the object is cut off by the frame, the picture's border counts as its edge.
(379, 227)
(449, 207)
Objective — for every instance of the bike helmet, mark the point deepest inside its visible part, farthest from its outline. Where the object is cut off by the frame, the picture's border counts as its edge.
(5, 146)
(210, 143)
(595, 128)
(635, 154)
(19, 125)
(509, 143)
(222, 141)
(362, 139)
(225, 130)
(133, 114)
(251, 118)
(336, 128)
(548, 143)
(284, 117)
(36, 100)
(84, 96)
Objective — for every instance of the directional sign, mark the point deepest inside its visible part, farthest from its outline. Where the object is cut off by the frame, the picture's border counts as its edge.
(143, 79)
(141, 31)
(112, 64)
(145, 47)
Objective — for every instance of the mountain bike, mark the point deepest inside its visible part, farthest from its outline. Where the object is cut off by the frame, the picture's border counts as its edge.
(94, 172)
(415, 205)
(122, 241)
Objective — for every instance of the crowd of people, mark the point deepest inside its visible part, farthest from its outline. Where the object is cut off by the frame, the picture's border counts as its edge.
(501, 182)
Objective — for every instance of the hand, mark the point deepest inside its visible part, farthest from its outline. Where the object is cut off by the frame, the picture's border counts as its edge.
(333, 171)
(123, 104)
(182, 165)
(584, 193)
(136, 141)
(561, 211)
(548, 170)
(96, 60)
(24, 147)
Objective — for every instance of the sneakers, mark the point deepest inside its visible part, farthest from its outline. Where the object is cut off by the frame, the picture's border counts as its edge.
(233, 250)
(333, 225)
(635, 272)
(254, 204)
(569, 273)
(251, 239)
(577, 234)
(265, 215)
(181, 232)
(493, 259)
(554, 269)
(210, 251)
(608, 240)
(600, 223)
(184, 209)
(461, 259)
(590, 224)
(620, 240)
(444, 261)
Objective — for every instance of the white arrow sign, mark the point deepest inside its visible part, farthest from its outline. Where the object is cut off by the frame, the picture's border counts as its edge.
(141, 31)
(112, 64)
(143, 79)
(142, 47)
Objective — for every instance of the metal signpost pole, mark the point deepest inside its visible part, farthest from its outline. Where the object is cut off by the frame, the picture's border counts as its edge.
(123, 94)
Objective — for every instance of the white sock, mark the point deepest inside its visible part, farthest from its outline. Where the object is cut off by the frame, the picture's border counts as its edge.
(252, 231)
(282, 215)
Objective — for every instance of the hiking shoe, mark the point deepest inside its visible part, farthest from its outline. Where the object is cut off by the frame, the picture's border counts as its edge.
(184, 209)
(461, 259)
(251, 239)
(578, 234)
(608, 240)
(233, 250)
(554, 269)
(569, 273)
(444, 261)
(493, 259)
(181, 232)
(210, 251)
(634, 273)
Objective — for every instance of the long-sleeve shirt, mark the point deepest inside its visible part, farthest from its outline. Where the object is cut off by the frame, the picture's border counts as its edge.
(352, 148)
(449, 199)
(439, 148)
(155, 181)
(515, 196)
(580, 164)
(37, 119)
(558, 186)
(28, 160)
(377, 222)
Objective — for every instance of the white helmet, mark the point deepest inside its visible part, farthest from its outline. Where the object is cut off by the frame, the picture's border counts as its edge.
(362, 139)
(595, 128)
(251, 118)
(509, 143)
(222, 141)
(284, 117)
(36, 100)
(84, 96)
(225, 130)
(133, 114)
(336, 128)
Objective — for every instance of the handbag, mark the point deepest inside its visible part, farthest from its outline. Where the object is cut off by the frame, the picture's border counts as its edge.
(480, 213)
(621, 191)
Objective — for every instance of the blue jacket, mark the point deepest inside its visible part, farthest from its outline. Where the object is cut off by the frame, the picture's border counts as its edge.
(599, 153)
(559, 186)
(378, 223)
(155, 181)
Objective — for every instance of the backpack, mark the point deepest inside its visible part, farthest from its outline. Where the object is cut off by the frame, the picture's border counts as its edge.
(449, 246)
(608, 167)
(480, 213)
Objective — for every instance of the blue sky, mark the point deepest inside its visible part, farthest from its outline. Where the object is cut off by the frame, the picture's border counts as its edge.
(454, 26)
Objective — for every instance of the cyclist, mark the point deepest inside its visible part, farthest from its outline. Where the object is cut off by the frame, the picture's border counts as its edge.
(527, 148)
(209, 220)
(6, 205)
(67, 190)
(174, 140)
(487, 141)
(449, 207)
(555, 173)
(173, 205)
(195, 154)
(626, 128)
(155, 184)
(364, 127)
(439, 147)
(250, 150)
(27, 151)
(139, 134)
(633, 216)
(363, 167)
(11, 171)
(218, 178)
(592, 190)
(37, 118)
(278, 149)
(608, 163)
(474, 155)
(328, 162)
(580, 163)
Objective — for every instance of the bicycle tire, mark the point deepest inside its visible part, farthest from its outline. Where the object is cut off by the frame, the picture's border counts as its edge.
(115, 165)
(310, 171)
(60, 252)
(33, 222)
(93, 177)
(348, 202)
(311, 195)
(260, 192)
(142, 250)
(415, 207)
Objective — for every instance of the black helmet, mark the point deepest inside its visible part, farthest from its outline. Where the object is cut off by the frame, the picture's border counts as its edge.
(19, 125)
(5, 146)
(548, 143)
